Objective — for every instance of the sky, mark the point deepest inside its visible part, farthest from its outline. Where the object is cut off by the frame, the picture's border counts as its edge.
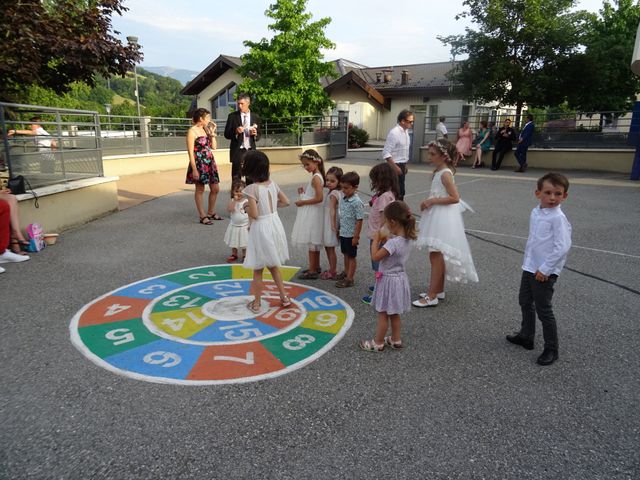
(371, 32)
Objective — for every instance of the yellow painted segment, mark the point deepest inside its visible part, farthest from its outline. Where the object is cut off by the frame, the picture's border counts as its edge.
(238, 271)
(329, 321)
(181, 323)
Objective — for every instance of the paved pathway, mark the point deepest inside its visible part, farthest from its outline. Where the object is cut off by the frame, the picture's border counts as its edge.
(457, 402)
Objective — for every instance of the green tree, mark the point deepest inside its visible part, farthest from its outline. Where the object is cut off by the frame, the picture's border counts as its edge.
(515, 56)
(282, 75)
(54, 43)
(604, 66)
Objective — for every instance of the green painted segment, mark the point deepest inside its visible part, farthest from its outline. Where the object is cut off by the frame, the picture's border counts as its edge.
(110, 338)
(296, 344)
(180, 300)
(200, 275)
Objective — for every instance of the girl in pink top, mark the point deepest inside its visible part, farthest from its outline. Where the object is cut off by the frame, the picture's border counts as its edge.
(384, 185)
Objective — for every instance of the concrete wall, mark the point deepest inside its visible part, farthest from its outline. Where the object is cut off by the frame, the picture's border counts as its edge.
(617, 161)
(156, 162)
(153, 162)
(69, 204)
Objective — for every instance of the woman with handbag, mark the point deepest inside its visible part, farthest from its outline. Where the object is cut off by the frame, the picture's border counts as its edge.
(201, 141)
(17, 240)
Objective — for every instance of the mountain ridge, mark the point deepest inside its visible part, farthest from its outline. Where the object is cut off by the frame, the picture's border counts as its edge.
(181, 74)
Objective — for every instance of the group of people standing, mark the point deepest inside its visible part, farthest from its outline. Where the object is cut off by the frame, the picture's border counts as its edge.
(331, 214)
(501, 138)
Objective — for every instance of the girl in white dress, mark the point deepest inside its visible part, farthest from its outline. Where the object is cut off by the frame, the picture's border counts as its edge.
(330, 236)
(267, 245)
(237, 234)
(442, 228)
(309, 225)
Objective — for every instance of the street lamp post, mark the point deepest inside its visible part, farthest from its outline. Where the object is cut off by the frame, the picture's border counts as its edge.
(134, 41)
(107, 107)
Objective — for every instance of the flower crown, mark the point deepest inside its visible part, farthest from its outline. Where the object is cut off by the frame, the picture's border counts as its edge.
(441, 148)
(310, 156)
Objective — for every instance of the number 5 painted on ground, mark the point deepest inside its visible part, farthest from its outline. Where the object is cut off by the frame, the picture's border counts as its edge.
(120, 335)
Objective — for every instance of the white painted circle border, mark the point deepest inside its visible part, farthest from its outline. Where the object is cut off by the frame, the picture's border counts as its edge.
(79, 344)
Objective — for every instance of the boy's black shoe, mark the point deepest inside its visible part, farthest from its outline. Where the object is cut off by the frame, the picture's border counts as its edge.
(548, 357)
(518, 340)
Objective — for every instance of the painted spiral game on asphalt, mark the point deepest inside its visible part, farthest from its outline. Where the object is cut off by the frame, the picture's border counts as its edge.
(193, 327)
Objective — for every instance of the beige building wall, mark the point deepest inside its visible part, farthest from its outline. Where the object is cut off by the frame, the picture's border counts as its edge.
(224, 81)
(362, 112)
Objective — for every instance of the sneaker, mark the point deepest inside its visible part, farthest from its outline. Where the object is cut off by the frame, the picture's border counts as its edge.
(439, 296)
(372, 288)
(425, 302)
(367, 299)
(2, 270)
(9, 257)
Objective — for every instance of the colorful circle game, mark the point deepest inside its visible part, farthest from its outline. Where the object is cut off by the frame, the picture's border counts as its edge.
(193, 327)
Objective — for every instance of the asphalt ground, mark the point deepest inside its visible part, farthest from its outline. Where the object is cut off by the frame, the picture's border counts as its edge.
(457, 402)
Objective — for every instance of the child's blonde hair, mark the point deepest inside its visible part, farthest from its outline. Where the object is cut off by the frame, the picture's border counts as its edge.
(400, 212)
(236, 184)
(447, 149)
(314, 156)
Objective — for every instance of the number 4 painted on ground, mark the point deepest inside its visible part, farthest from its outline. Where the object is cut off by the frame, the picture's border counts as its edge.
(116, 308)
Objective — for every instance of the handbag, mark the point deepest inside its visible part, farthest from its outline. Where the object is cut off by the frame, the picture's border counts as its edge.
(18, 185)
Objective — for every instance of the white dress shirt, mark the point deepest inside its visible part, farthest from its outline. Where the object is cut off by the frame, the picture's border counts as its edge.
(246, 119)
(549, 241)
(441, 130)
(397, 145)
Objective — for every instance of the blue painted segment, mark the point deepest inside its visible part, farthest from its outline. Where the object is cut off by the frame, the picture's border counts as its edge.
(148, 289)
(233, 331)
(163, 358)
(218, 290)
(314, 300)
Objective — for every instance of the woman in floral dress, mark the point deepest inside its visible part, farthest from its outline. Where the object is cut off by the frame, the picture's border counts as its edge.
(201, 141)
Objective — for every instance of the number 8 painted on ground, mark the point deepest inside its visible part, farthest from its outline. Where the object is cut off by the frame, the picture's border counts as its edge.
(298, 342)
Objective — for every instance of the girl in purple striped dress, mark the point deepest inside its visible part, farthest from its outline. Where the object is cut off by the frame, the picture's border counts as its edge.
(392, 294)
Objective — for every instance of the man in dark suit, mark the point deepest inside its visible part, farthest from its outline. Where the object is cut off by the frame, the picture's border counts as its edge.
(242, 130)
(524, 141)
(504, 143)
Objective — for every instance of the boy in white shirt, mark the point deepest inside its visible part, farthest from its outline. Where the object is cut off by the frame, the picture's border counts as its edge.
(544, 256)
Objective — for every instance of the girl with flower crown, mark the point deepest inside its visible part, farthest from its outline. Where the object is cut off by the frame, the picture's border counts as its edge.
(442, 228)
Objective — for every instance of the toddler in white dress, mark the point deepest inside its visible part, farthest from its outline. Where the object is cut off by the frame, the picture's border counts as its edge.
(237, 234)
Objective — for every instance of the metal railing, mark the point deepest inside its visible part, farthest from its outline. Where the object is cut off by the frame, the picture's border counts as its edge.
(583, 130)
(72, 143)
(49, 149)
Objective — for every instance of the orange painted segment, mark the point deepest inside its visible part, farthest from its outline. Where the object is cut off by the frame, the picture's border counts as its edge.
(113, 309)
(278, 316)
(224, 362)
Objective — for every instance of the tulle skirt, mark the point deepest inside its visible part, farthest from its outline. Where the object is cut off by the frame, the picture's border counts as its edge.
(267, 246)
(308, 227)
(442, 229)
